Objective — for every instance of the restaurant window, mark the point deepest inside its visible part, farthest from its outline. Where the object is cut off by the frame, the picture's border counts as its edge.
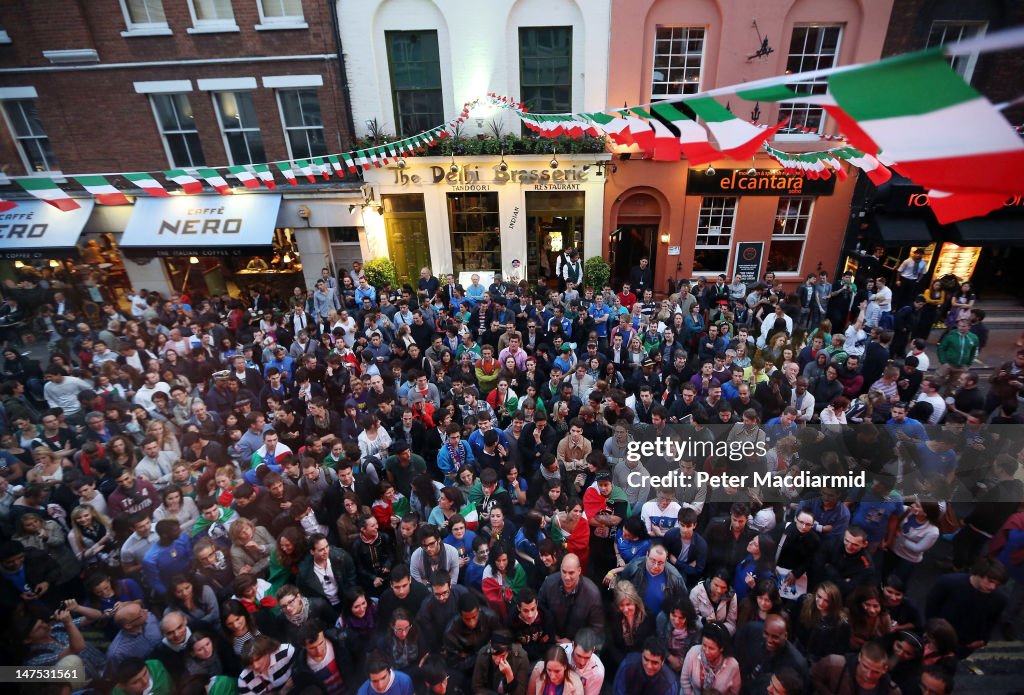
(177, 125)
(303, 124)
(212, 15)
(554, 221)
(145, 16)
(789, 235)
(715, 225)
(943, 33)
(27, 128)
(474, 222)
(545, 68)
(236, 114)
(678, 57)
(811, 48)
(415, 66)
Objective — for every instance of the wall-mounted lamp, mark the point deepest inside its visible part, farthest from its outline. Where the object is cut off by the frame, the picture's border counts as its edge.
(752, 171)
(193, 260)
(554, 160)
(710, 171)
(402, 163)
(503, 165)
(453, 167)
(664, 238)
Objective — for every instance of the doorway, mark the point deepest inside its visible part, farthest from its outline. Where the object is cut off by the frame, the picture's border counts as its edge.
(635, 236)
(405, 223)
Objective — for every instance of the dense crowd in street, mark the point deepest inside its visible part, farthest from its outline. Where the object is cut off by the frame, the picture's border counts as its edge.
(432, 488)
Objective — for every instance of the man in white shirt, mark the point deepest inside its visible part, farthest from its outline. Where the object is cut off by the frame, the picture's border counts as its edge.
(883, 298)
(138, 544)
(584, 660)
(802, 401)
(923, 361)
(930, 387)
(777, 321)
(155, 465)
(144, 396)
(62, 391)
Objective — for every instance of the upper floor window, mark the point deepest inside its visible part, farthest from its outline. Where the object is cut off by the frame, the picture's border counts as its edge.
(303, 124)
(281, 14)
(811, 48)
(545, 68)
(177, 126)
(678, 57)
(145, 18)
(240, 128)
(943, 33)
(415, 66)
(212, 15)
(27, 128)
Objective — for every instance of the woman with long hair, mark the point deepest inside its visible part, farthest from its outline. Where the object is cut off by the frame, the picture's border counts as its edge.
(869, 621)
(820, 624)
(758, 565)
(553, 675)
(451, 502)
(389, 507)
(425, 494)
(941, 644)
(710, 664)
(629, 623)
(288, 553)
(177, 506)
(348, 520)
(714, 599)
(503, 400)
(251, 546)
(572, 530)
(121, 452)
(49, 468)
(358, 616)
(503, 579)
(403, 644)
(677, 627)
(162, 432)
(195, 599)
(763, 599)
(92, 536)
(238, 624)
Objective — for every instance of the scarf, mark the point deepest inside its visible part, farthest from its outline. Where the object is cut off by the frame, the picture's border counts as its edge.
(706, 671)
(302, 616)
(95, 532)
(455, 455)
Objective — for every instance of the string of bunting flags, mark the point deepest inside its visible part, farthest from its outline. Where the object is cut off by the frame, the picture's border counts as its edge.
(912, 113)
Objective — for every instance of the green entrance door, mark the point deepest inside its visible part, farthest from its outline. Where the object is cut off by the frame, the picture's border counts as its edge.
(405, 223)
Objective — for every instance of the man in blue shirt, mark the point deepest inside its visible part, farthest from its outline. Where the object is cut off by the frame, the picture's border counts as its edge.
(903, 428)
(602, 316)
(365, 291)
(875, 511)
(646, 672)
(782, 426)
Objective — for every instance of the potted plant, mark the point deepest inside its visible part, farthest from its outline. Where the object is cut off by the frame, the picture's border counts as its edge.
(380, 271)
(596, 273)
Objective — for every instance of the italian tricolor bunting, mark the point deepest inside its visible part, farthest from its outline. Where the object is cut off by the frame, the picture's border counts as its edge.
(147, 183)
(6, 205)
(247, 178)
(188, 184)
(693, 139)
(286, 170)
(265, 174)
(213, 177)
(614, 127)
(101, 189)
(349, 163)
(938, 130)
(48, 192)
(875, 170)
(736, 138)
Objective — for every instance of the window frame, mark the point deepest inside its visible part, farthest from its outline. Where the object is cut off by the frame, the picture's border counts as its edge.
(284, 125)
(821, 83)
(711, 213)
(133, 28)
(970, 60)
(801, 219)
(451, 214)
(224, 132)
(163, 135)
(22, 153)
(211, 26)
(568, 83)
(272, 23)
(655, 97)
(395, 91)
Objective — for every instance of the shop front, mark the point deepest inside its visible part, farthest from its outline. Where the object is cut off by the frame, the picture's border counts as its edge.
(482, 214)
(895, 218)
(720, 219)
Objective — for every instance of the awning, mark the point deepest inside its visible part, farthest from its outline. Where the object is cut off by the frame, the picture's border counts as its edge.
(35, 229)
(903, 231)
(978, 232)
(202, 225)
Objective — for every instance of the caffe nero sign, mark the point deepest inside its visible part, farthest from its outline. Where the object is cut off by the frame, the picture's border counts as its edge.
(760, 182)
(34, 229)
(202, 225)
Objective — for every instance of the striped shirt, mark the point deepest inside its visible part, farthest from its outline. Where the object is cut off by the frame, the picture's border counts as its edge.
(278, 673)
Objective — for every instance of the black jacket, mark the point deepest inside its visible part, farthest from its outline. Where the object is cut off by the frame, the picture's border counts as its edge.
(342, 567)
(303, 676)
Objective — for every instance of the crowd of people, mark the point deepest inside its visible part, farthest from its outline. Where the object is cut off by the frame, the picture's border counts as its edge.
(434, 489)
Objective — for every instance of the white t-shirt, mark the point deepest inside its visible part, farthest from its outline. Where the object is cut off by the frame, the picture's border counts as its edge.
(664, 519)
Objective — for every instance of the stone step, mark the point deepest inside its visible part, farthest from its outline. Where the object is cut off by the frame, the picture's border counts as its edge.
(996, 669)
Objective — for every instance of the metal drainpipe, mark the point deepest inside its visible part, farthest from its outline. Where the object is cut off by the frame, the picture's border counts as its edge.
(343, 76)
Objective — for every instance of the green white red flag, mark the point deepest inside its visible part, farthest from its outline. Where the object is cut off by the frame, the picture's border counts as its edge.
(248, 179)
(736, 138)
(188, 183)
(102, 190)
(287, 172)
(349, 163)
(6, 205)
(49, 192)
(692, 138)
(213, 177)
(615, 127)
(147, 183)
(265, 174)
(302, 166)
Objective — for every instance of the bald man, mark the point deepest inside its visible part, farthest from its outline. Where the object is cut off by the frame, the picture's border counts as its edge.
(139, 635)
(570, 601)
(173, 648)
(764, 648)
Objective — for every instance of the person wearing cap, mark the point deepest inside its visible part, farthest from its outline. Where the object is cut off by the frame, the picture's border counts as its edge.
(502, 666)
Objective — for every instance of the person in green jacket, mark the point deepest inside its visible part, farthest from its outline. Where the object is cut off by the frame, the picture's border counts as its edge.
(134, 676)
(957, 351)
